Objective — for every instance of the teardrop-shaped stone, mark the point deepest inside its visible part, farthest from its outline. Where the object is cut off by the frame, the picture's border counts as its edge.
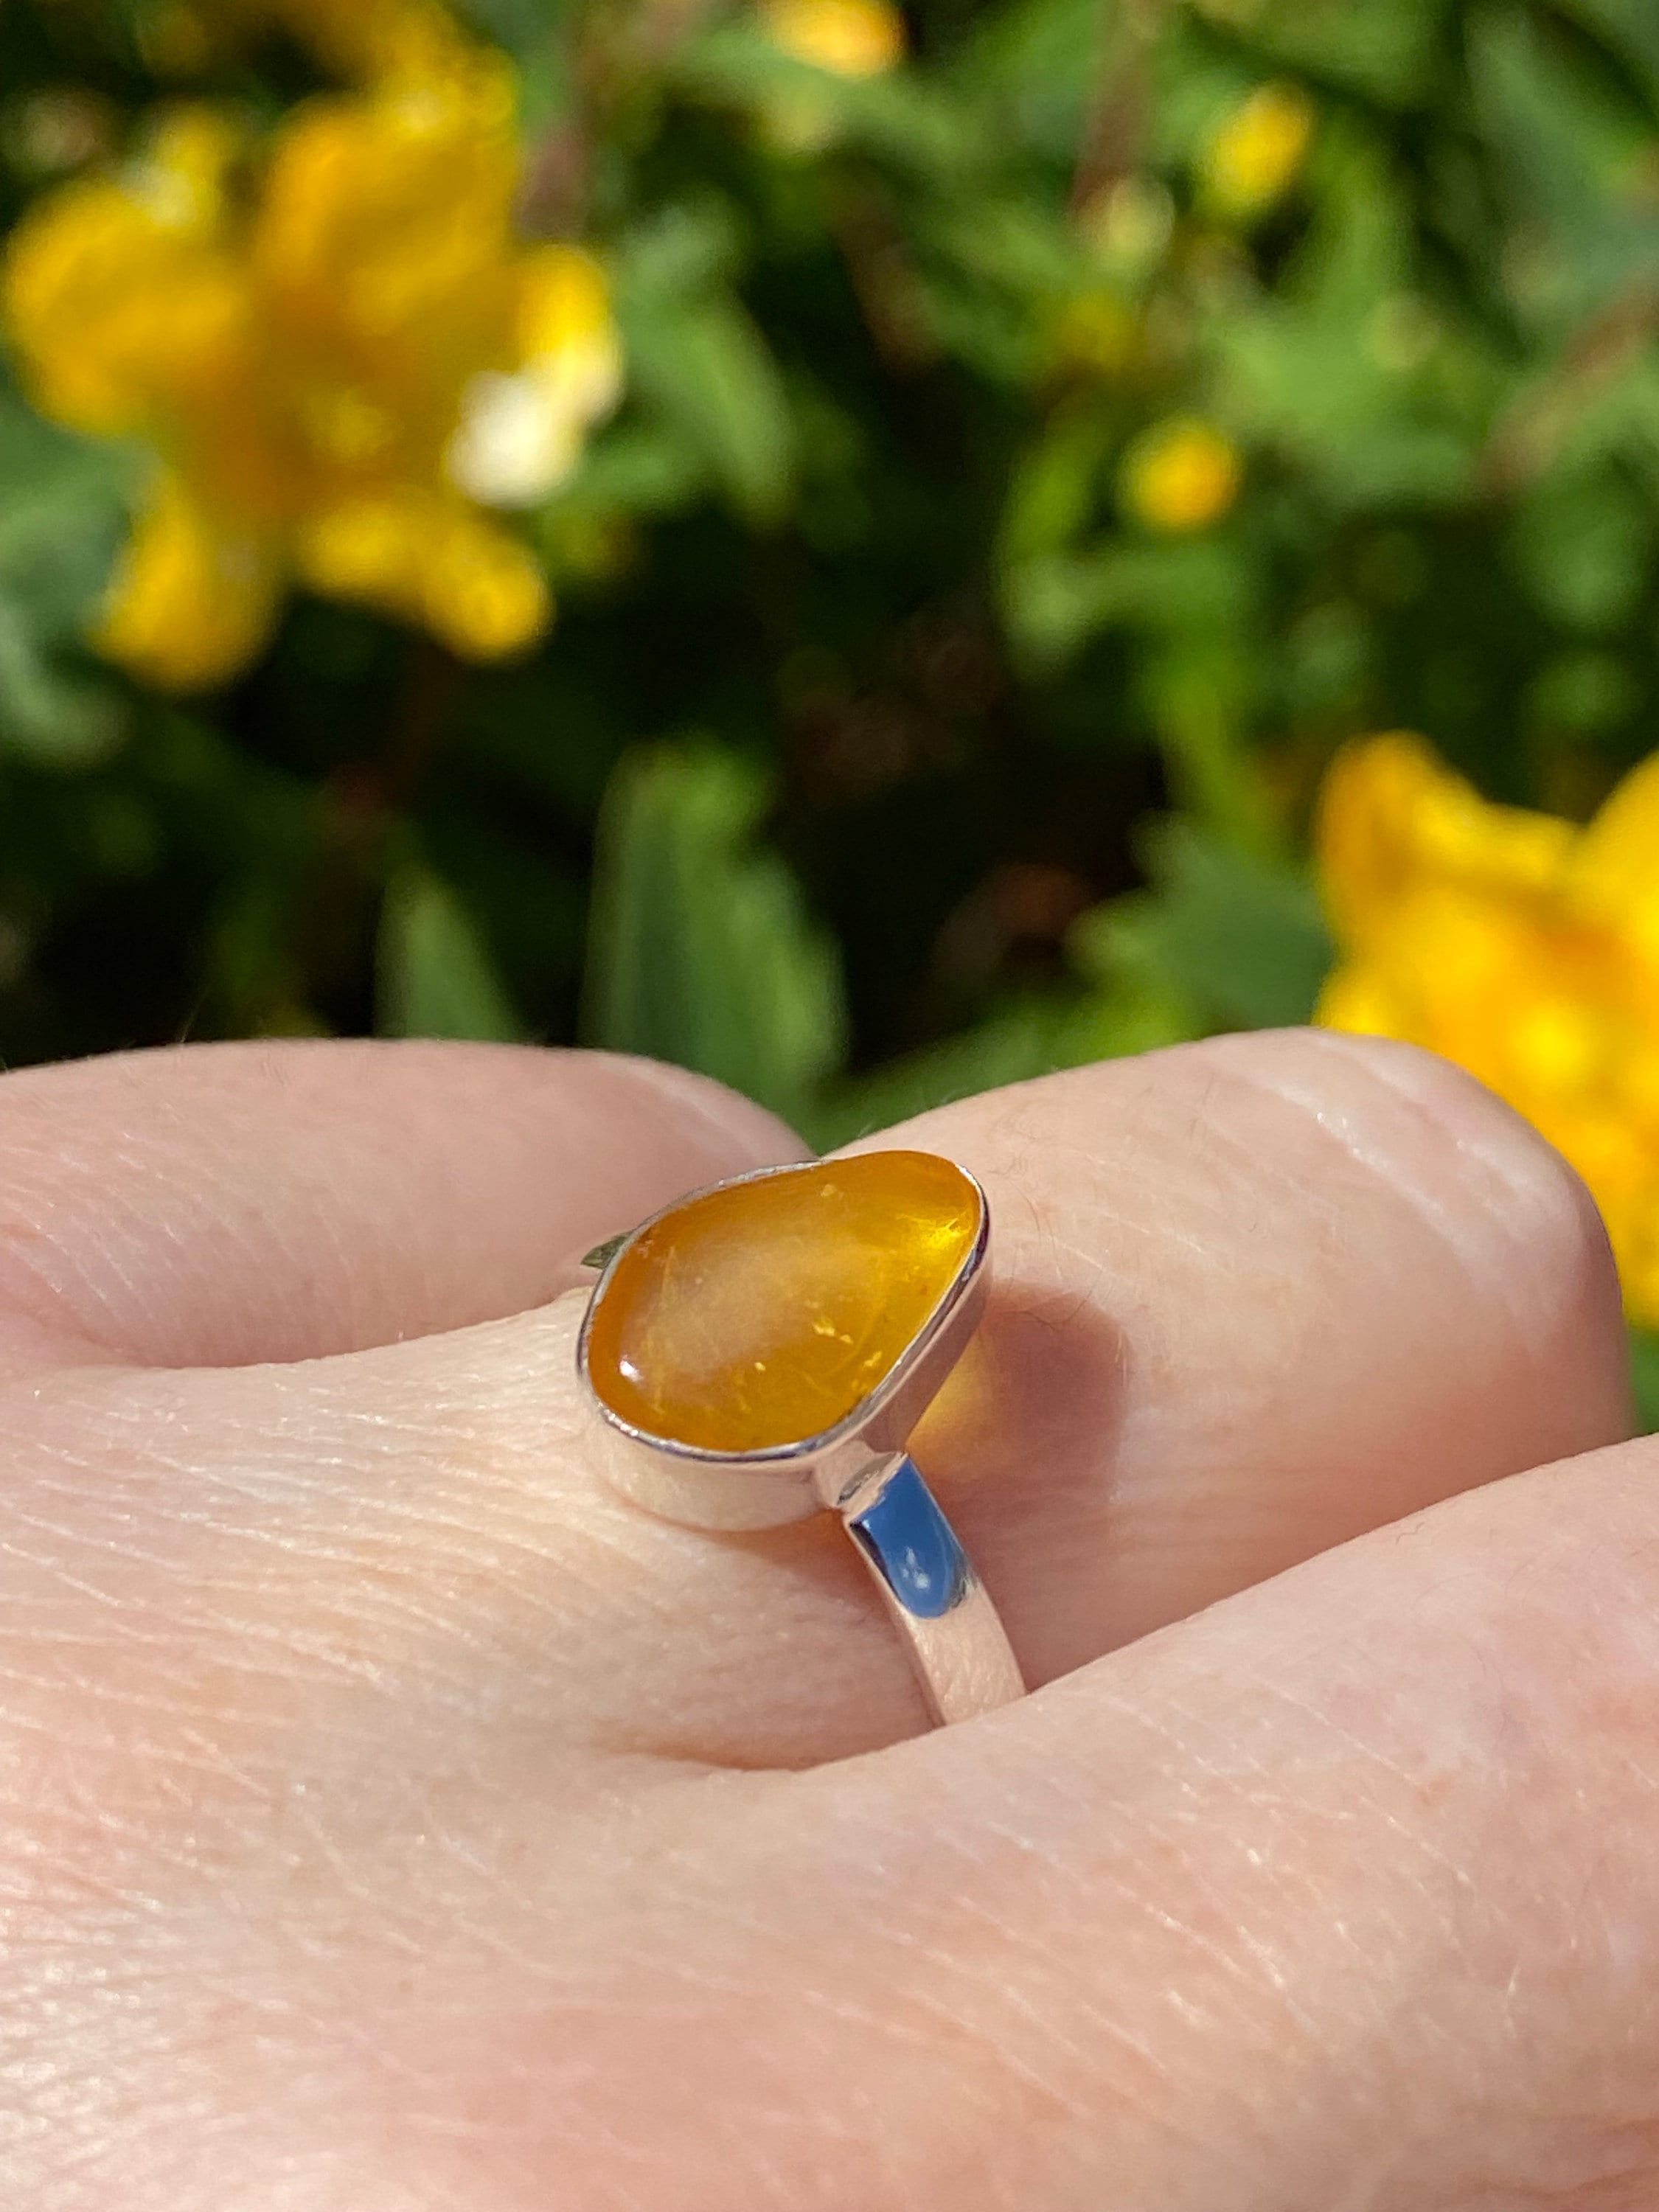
(762, 1314)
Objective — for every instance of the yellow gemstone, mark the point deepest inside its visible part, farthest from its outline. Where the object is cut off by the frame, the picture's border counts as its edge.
(762, 1314)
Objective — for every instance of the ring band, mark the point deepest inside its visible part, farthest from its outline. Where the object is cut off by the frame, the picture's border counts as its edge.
(762, 1350)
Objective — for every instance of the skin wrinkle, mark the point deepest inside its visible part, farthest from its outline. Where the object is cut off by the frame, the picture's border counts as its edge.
(300, 1481)
(635, 2171)
(1395, 1770)
(1435, 1212)
(208, 1167)
(470, 1555)
(1103, 1882)
(1257, 1971)
(291, 1645)
(1056, 2105)
(216, 1715)
(1095, 1176)
(1507, 1138)
(103, 1278)
(1382, 1068)
(1518, 1183)
(1197, 1242)
(1011, 1999)
(952, 1961)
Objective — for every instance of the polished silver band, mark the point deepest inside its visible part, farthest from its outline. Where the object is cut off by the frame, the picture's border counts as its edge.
(961, 1652)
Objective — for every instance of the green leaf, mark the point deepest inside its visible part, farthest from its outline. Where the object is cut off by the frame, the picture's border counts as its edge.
(520, 26)
(1583, 547)
(1567, 147)
(698, 360)
(59, 717)
(1584, 692)
(700, 949)
(1038, 64)
(893, 116)
(709, 369)
(636, 469)
(60, 522)
(1630, 28)
(1644, 1378)
(1240, 938)
(1055, 488)
(1033, 1037)
(436, 975)
(1055, 602)
(682, 251)
(62, 517)
(1011, 1048)
(1387, 52)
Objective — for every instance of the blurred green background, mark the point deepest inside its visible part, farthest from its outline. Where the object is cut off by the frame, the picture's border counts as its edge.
(1046, 431)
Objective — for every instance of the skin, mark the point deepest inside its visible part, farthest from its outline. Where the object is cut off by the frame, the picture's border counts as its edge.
(393, 1820)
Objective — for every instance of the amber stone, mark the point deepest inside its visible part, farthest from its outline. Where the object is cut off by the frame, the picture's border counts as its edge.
(762, 1314)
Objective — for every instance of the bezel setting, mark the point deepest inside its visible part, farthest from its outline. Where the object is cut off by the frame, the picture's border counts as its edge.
(774, 1484)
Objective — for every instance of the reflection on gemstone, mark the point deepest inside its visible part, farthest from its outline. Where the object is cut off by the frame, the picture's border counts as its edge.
(762, 1314)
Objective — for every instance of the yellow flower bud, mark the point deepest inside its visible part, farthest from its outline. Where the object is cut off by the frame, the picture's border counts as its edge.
(848, 38)
(1255, 157)
(1181, 475)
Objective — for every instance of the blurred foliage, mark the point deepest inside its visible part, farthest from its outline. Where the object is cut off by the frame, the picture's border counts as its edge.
(1048, 429)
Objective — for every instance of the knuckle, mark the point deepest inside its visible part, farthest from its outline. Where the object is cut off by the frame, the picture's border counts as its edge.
(1509, 1206)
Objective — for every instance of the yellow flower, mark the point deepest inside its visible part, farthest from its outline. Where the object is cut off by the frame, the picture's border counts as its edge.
(431, 560)
(1181, 475)
(116, 293)
(1522, 947)
(337, 371)
(848, 38)
(1255, 154)
(190, 601)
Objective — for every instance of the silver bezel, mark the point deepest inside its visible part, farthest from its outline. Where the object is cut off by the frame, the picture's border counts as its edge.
(766, 1488)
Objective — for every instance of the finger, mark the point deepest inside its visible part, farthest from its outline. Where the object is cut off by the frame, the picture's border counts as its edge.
(1340, 1895)
(278, 1202)
(1256, 1296)
(1253, 1297)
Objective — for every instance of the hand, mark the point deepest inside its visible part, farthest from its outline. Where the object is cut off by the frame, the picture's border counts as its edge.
(396, 1821)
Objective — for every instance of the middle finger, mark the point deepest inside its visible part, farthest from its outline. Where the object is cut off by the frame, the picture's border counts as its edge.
(1252, 1298)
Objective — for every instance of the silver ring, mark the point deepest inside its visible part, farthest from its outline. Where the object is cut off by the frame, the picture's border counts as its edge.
(836, 1295)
